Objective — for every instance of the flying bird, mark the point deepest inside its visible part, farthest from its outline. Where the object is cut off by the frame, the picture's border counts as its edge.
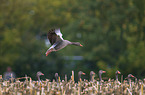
(57, 42)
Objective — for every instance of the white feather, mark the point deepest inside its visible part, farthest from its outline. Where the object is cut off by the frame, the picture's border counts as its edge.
(57, 31)
(52, 47)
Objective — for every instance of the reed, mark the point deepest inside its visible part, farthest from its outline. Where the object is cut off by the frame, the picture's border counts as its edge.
(70, 87)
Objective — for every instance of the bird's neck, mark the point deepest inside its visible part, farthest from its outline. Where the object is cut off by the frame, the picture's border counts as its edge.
(91, 77)
(100, 78)
(74, 43)
(117, 77)
(56, 79)
(38, 78)
(67, 42)
(65, 78)
(79, 76)
(129, 79)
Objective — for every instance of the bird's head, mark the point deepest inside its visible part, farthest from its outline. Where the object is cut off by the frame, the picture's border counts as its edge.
(92, 73)
(81, 45)
(130, 75)
(101, 72)
(77, 44)
(39, 73)
(81, 73)
(118, 72)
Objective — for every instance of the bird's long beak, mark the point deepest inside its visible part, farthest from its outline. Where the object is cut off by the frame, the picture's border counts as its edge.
(83, 73)
(81, 45)
(104, 71)
(132, 76)
(42, 74)
(119, 72)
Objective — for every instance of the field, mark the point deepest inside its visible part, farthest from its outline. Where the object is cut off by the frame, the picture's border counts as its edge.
(70, 87)
(112, 33)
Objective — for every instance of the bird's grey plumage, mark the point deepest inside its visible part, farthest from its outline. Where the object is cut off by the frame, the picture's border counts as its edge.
(79, 74)
(57, 42)
(38, 75)
(56, 77)
(92, 75)
(62, 44)
(100, 73)
(116, 73)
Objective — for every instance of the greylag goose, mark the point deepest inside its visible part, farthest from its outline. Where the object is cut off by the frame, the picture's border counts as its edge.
(129, 79)
(79, 74)
(38, 75)
(100, 74)
(116, 73)
(56, 77)
(92, 74)
(57, 42)
(129, 76)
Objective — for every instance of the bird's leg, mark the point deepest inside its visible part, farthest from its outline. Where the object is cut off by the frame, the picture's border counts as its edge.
(51, 48)
(49, 51)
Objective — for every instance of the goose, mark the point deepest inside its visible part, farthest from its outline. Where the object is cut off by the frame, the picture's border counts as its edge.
(56, 77)
(100, 74)
(92, 76)
(129, 80)
(116, 73)
(57, 42)
(38, 75)
(57, 80)
(129, 76)
(79, 74)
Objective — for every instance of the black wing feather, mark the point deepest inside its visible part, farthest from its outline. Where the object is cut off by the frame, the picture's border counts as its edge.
(53, 38)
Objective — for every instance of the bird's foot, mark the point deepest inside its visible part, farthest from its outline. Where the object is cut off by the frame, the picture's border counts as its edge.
(48, 52)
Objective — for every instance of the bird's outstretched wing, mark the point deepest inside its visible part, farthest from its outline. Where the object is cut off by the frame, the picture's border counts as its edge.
(57, 31)
(54, 35)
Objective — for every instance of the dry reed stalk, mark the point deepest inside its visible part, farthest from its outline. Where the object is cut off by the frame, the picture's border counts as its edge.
(73, 76)
(141, 92)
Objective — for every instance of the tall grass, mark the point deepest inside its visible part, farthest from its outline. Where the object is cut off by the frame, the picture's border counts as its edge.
(70, 87)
